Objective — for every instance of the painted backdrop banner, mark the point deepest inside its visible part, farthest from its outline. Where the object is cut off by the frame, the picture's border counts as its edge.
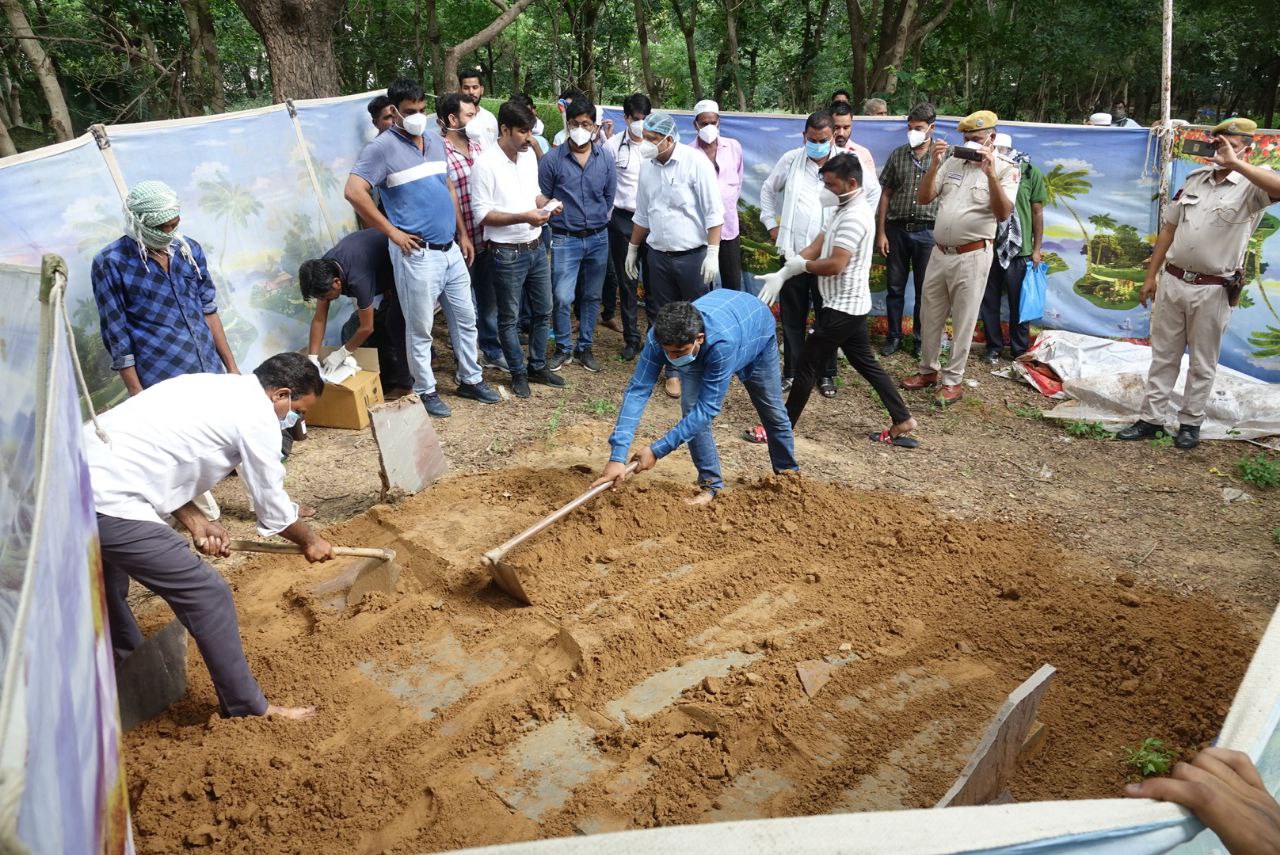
(253, 204)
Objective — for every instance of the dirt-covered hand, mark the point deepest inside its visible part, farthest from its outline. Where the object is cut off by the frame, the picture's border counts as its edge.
(1225, 792)
(645, 459)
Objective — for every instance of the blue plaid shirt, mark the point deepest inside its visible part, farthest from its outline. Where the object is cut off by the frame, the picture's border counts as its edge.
(738, 328)
(153, 320)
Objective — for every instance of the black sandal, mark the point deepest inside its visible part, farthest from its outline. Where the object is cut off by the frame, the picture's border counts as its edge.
(887, 438)
(827, 386)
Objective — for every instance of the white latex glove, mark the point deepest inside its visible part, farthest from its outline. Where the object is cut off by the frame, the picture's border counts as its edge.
(335, 359)
(711, 264)
(632, 265)
(794, 266)
(315, 360)
(770, 287)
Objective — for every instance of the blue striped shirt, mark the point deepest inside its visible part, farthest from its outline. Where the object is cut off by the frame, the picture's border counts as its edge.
(413, 185)
(739, 329)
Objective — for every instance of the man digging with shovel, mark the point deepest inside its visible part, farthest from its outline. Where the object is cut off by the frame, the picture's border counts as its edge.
(167, 445)
(706, 343)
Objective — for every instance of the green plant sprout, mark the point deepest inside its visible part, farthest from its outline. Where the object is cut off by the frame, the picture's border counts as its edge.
(1160, 440)
(1150, 758)
(1087, 430)
(1259, 470)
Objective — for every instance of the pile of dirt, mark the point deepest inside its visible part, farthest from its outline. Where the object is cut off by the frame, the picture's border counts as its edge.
(656, 681)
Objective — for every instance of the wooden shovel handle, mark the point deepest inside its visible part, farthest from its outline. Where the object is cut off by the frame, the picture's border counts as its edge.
(294, 549)
(495, 555)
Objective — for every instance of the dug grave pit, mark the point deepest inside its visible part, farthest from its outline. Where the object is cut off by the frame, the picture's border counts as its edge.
(655, 680)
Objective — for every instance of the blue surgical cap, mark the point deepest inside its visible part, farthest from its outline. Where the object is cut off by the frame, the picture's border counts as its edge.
(662, 123)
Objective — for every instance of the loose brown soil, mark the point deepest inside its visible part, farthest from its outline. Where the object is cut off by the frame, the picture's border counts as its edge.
(449, 717)
(655, 680)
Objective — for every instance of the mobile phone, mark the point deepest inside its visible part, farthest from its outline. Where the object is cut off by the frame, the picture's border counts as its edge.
(967, 153)
(1199, 148)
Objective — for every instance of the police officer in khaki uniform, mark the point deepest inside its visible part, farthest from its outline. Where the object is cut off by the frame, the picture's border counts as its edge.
(1200, 248)
(974, 195)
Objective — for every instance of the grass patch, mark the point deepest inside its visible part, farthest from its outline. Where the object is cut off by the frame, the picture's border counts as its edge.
(1087, 430)
(601, 407)
(1025, 411)
(1160, 440)
(1259, 470)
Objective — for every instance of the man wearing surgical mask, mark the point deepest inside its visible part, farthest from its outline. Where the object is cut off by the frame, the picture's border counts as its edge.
(625, 149)
(710, 340)
(974, 193)
(904, 227)
(793, 227)
(580, 175)
(679, 213)
(725, 155)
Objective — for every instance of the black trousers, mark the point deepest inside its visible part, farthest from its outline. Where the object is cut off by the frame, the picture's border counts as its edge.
(908, 252)
(1001, 281)
(624, 296)
(388, 337)
(838, 331)
(799, 293)
(731, 264)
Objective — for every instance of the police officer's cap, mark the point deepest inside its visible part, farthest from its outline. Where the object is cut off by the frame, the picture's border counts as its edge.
(983, 120)
(1238, 126)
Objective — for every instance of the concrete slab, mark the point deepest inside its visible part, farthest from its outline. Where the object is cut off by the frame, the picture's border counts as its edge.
(664, 687)
(154, 676)
(408, 447)
(441, 673)
(551, 762)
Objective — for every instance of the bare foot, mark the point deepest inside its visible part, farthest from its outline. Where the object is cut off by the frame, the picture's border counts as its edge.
(703, 498)
(903, 428)
(294, 713)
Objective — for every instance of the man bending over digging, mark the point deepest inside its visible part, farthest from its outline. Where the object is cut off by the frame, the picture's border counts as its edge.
(840, 256)
(706, 343)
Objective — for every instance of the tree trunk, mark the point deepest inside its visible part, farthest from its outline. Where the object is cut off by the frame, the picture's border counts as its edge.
(197, 83)
(857, 50)
(59, 115)
(250, 90)
(6, 142)
(11, 94)
(731, 35)
(437, 54)
(642, 32)
(587, 20)
(688, 29)
(212, 62)
(482, 38)
(901, 28)
(298, 35)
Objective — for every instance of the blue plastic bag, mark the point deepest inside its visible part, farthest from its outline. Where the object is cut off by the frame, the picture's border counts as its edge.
(1034, 286)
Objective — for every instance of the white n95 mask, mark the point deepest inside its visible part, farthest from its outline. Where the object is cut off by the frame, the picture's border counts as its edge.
(916, 138)
(415, 125)
(709, 133)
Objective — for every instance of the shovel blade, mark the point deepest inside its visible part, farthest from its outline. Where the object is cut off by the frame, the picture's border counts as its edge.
(363, 576)
(507, 578)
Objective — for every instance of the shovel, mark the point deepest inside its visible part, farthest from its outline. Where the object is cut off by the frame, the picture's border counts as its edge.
(378, 573)
(504, 575)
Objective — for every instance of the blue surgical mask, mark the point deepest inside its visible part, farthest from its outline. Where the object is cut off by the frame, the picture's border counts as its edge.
(817, 149)
(290, 419)
(681, 361)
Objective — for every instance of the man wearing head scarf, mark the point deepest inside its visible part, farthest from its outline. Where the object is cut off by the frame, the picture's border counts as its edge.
(679, 213)
(157, 304)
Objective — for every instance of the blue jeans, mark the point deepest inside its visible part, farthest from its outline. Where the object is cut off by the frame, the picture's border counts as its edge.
(568, 255)
(486, 306)
(763, 383)
(424, 277)
(514, 274)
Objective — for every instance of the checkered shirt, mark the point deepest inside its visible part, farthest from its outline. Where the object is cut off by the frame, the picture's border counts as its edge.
(460, 171)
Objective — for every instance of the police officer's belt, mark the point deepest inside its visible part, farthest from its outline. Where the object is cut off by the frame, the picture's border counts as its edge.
(963, 248)
(1195, 278)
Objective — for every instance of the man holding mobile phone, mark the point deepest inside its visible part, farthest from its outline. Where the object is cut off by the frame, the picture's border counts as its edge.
(976, 191)
(1195, 276)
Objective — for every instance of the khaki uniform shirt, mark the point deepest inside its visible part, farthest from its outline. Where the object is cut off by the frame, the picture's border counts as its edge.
(964, 207)
(1214, 220)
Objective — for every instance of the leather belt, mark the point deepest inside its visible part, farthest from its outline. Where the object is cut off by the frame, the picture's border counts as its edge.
(1193, 277)
(676, 253)
(580, 233)
(963, 248)
(913, 225)
(437, 247)
(519, 247)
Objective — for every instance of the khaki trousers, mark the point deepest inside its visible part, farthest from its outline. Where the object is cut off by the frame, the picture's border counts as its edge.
(953, 285)
(1185, 316)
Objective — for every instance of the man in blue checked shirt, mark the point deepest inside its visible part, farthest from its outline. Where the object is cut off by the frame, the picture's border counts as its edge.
(157, 305)
(707, 342)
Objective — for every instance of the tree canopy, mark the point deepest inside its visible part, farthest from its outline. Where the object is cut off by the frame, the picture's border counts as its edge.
(67, 63)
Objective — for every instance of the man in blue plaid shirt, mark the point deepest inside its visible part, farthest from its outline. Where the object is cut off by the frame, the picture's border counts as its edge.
(706, 342)
(157, 305)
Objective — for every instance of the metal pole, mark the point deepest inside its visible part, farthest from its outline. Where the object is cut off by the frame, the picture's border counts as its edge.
(1166, 103)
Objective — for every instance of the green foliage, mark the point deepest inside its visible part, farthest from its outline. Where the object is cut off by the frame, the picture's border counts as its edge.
(1275, 534)
(1259, 470)
(1150, 758)
(1025, 411)
(601, 407)
(1160, 440)
(1087, 430)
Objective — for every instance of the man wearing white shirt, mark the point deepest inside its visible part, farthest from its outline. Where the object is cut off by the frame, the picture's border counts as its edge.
(625, 149)
(793, 225)
(506, 200)
(679, 213)
(164, 447)
(484, 127)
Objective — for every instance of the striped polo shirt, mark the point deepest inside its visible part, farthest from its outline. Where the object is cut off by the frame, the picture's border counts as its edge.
(413, 184)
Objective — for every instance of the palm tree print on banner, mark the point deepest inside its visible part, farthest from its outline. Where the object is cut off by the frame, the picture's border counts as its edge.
(1061, 185)
(231, 203)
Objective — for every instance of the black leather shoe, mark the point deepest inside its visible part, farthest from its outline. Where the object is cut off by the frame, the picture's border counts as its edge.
(891, 346)
(991, 357)
(520, 385)
(629, 352)
(1188, 437)
(1139, 430)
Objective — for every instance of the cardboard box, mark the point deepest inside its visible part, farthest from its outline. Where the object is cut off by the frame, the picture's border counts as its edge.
(346, 404)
